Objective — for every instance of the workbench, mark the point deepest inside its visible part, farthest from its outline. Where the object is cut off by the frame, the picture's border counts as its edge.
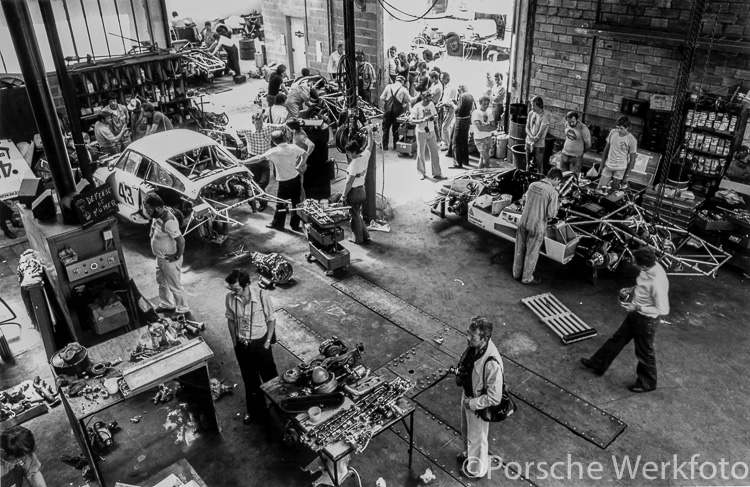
(335, 456)
(187, 361)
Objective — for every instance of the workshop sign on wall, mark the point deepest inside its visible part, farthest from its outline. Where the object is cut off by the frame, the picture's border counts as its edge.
(95, 205)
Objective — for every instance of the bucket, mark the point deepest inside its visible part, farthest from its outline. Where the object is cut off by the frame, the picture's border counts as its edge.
(519, 156)
(501, 146)
(518, 129)
(247, 49)
(517, 110)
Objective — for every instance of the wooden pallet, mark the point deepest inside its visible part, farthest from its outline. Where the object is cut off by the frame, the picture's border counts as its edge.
(569, 327)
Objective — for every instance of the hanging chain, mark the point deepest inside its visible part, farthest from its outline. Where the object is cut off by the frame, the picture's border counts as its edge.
(697, 9)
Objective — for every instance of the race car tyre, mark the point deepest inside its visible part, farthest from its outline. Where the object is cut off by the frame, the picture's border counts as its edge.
(453, 45)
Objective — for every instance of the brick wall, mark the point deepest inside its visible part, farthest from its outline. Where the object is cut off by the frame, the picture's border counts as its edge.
(626, 68)
(368, 28)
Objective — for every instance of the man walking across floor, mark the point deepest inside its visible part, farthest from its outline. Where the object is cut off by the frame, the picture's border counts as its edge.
(395, 100)
(540, 207)
(645, 303)
(168, 246)
(423, 115)
(251, 319)
(289, 161)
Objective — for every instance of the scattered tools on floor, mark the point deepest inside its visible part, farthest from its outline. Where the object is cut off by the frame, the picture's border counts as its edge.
(219, 390)
(164, 394)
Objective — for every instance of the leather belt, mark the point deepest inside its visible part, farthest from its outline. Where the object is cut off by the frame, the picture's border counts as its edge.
(245, 342)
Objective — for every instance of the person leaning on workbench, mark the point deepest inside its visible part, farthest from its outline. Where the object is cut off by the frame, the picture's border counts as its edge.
(18, 460)
(354, 192)
(251, 319)
(156, 120)
(540, 207)
(480, 375)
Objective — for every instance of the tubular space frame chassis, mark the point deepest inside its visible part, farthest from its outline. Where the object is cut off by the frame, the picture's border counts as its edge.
(706, 263)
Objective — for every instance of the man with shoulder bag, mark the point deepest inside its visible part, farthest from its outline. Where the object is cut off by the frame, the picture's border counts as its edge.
(396, 101)
(480, 374)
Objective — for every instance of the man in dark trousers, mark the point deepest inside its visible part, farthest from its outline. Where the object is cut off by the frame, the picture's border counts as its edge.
(251, 319)
(464, 108)
(289, 161)
(396, 101)
(645, 303)
(540, 207)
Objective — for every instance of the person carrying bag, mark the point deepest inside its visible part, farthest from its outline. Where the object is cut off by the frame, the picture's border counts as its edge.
(480, 376)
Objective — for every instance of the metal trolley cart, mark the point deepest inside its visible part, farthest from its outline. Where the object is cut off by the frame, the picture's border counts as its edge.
(407, 138)
(324, 229)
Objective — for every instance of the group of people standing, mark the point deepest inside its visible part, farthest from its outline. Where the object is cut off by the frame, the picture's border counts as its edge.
(117, 125)
(445, 116)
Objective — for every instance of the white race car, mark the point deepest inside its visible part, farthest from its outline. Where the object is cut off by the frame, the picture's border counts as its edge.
(198, 179)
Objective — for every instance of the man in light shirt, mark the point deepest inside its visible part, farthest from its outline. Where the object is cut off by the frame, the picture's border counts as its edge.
(354, 193)
(423, 115)
(645, 303)
(536, 132)
(618, 156)
(577, 141)
(333, 61)
(168, 246)
(449, 95)
(289, 162)
(482, 126)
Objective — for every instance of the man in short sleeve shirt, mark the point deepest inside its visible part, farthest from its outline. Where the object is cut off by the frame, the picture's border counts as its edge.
(168, 246)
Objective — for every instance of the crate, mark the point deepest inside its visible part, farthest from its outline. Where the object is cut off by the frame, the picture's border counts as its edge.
(325, 237)
(406, 148)
(562, 246)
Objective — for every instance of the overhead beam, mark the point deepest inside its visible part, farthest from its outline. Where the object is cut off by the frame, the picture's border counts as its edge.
(612, 32)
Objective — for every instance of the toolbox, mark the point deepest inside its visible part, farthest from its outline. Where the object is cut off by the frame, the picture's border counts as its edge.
(330, 257)
(407, 140)
(675, 210)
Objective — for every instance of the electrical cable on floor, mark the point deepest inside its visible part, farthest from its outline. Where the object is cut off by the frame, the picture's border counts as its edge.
(359, 479)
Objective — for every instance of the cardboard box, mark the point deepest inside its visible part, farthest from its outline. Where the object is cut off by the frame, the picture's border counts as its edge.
(559, 251)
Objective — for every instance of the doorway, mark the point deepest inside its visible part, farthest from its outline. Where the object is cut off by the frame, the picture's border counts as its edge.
(296, 46)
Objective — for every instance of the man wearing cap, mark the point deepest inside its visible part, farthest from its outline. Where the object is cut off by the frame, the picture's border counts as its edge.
(289, 162)
(138, 122)
(118, 119)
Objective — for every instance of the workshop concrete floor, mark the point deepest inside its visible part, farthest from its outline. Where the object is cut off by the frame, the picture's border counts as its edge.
(451, 271)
